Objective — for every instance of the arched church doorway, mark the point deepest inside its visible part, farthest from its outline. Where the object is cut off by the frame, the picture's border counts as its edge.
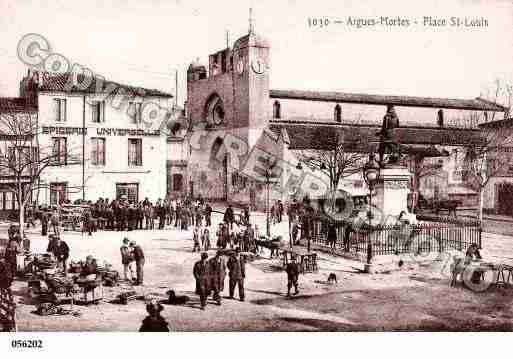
(220, 167)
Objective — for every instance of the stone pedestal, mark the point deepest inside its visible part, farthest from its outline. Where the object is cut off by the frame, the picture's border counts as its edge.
(391, 191)
(368, 268)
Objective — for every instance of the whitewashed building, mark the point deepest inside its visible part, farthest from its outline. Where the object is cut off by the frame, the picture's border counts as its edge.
(107, 137)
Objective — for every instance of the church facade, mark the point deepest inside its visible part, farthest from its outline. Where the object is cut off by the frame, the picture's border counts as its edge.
(240, 127)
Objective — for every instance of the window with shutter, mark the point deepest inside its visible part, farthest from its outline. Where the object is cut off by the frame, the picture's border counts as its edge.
(59, 153)
(134, 152)
(98, 111)
(134, 112)
(98, 151)
(59, 109)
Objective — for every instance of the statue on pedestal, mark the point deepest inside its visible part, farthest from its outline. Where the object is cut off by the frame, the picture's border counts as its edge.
(388, 141)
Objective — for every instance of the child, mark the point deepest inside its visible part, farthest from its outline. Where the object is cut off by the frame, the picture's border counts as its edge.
(154, 322)
(292, 275)
(205, 240)
(196, 239)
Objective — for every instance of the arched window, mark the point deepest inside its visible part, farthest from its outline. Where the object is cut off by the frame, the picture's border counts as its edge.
(338, 113)
(214, 112)
(276, 109)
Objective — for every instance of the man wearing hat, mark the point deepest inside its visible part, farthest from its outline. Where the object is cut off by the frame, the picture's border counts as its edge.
(139, 261)
(237, 273)
(44, 221)
(292, 275)
(154, 322)
(127, 259)
(218, 273)
(201, 274)
(61, 252)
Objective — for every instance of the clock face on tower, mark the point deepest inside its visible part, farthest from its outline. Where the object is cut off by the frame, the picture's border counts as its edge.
(258, 66)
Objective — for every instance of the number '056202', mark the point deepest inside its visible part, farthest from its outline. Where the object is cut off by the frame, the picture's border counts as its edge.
(318, 22)
(18, 344)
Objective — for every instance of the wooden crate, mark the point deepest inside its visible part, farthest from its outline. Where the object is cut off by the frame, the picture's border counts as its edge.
(90, 296)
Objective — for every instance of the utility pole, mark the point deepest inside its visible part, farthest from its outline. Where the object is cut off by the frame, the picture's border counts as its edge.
(176, 88)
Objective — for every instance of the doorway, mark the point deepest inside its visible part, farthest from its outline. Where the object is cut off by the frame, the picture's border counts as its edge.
(130, 191)
(505, 199)
(58, 193)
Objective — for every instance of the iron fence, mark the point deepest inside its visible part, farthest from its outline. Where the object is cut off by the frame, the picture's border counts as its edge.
(399, 239)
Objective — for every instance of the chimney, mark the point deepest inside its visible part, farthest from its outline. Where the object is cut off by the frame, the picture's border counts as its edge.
(440, 118)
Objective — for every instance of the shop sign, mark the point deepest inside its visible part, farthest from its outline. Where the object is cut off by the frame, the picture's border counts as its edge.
(52, 130)
(100, 131)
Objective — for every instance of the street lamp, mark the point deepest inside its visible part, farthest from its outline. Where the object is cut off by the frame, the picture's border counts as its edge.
(268, 175)
(370, 175)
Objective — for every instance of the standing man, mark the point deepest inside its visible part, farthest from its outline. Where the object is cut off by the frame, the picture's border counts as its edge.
(218, 273)
(246, 216)
(332, 236)
(131, 217)
(44, 222)
(54, 220)
(237, 273)
(127, 259)
(199, 215)
(61, 253)
(161, 213)
(292, 275)
(139, 216)
(139, 261)
(208, 215)
(148, 216)
(11, 251)
(109, 215)
(200, 272)
(280, 211)
(86, 221)
(229, 216)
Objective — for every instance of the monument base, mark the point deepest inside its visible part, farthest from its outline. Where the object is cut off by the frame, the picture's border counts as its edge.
(368, 268)
(392, 190)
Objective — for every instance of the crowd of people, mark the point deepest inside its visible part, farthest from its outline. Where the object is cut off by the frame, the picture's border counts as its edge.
(124, 215)
(233, 238)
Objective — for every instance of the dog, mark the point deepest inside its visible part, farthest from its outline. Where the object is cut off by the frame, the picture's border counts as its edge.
(176, 299)
(332, 278)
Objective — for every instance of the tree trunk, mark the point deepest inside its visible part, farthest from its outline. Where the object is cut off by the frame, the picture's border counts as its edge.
(480, 214)
(21, 207)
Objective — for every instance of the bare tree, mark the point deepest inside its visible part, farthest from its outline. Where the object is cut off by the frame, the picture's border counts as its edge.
(340, 159)
(487, 156)
(421, 169)
(22, 159)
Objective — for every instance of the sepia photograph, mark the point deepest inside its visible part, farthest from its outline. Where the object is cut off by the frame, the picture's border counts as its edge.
(243, 166)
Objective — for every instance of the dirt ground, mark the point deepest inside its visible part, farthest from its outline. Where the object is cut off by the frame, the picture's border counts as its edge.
(415, 297)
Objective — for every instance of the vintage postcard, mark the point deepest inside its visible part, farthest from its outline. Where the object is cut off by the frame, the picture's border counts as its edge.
(240, 166)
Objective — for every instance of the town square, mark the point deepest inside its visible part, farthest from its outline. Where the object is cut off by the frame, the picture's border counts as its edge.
(243, 178)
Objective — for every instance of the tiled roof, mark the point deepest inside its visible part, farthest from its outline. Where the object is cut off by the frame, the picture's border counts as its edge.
(477, 104)
(61, 82)
(15, 104)
(323, 135)
(497, 124)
